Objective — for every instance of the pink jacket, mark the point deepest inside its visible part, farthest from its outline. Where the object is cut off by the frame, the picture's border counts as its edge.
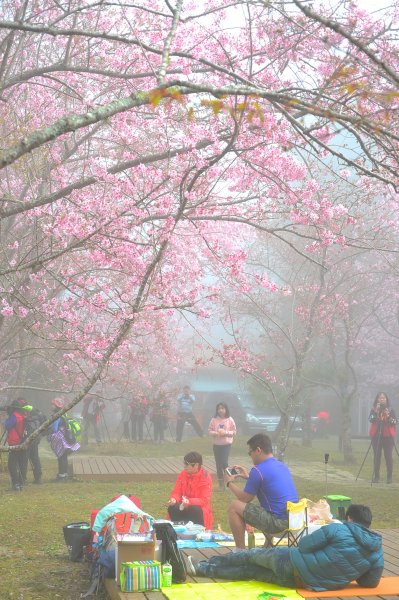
(228, 426)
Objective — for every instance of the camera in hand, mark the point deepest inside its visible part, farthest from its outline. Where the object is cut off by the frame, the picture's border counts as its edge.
(231, 471)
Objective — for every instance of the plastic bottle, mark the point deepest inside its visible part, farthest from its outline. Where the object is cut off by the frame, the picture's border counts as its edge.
(251, 538)
(166, 575)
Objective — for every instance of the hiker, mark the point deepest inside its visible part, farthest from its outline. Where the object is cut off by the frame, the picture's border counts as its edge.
(33, 419)
(16, 434)
(222, 428)
(61, 440)
(327, 559)
(270, 480)
(185, 414)
(190, 499)
(382, 432)
(138, 407)
(91, 415)
(159, 417)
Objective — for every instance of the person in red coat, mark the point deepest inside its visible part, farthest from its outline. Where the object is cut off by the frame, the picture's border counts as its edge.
(190, 499)
(382, 432)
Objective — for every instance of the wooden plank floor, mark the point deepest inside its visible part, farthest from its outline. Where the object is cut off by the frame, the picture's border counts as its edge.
(391, 552)
(112, 468)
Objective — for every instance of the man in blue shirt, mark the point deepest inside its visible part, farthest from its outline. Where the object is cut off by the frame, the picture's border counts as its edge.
(185, 403)
(270, 480)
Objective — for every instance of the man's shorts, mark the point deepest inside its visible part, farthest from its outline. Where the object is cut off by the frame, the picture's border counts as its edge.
(263, 520)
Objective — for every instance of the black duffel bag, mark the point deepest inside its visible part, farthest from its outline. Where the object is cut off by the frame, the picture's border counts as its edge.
(77, 536)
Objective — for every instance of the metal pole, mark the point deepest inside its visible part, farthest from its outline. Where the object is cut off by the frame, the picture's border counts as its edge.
(326, 457)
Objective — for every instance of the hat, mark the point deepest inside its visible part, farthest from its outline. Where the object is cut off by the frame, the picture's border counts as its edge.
(58, 402)
(27, 407)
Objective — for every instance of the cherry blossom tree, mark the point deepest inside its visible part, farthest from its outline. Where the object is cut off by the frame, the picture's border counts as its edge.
(141, 145)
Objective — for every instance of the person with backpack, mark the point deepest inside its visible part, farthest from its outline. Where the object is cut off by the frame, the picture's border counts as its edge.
(62, 440)
(190, 499)
(17, 459)
(33, 419)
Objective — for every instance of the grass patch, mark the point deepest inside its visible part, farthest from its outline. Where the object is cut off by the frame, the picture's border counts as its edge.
(32, 549)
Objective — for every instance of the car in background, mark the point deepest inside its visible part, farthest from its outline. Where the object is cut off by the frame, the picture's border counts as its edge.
(250, 418)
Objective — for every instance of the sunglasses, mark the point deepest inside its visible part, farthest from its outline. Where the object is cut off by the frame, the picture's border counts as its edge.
(187, 464)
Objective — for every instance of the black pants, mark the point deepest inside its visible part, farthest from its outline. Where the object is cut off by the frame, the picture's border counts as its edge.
(159, 422)
(386, 444)
(191, 513)
(63, 463)
(34, 459)
(17, 466)
(221, 454)
(90, 421)
(183, 418)
(137, 427)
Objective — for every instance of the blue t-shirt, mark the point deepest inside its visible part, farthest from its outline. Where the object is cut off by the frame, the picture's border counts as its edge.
(272, 483)
(185, 403)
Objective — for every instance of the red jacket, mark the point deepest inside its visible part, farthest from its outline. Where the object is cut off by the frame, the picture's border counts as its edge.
(198, 489)
(15, 433)
(382, 423)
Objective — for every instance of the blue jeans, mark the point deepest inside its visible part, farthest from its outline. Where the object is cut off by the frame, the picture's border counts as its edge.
(271, 565)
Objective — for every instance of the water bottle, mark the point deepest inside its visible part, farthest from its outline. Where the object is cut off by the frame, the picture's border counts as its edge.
(166, 575)
(251, 538)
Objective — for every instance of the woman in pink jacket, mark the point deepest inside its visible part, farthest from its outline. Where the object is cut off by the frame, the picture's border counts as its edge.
(222, 428)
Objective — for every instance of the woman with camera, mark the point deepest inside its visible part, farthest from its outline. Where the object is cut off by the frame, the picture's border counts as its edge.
(223, 429)
(382, 432)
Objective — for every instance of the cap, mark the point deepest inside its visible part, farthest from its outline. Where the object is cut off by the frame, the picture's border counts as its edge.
(58, 402)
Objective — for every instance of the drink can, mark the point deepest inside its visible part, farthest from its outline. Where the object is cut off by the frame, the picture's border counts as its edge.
(166, 575)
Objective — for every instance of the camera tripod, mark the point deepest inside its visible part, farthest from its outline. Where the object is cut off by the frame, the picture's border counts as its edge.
(379, 447)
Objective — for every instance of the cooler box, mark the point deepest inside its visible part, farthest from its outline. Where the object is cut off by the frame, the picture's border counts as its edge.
(338, 505)
(140, 576)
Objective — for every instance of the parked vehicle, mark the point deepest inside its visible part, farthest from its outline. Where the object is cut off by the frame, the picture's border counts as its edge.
(249, 417)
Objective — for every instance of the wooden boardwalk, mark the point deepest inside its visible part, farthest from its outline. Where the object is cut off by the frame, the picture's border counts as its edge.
(391, 552)
(112, 468)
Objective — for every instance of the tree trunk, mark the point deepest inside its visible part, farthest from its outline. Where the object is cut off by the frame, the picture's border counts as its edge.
(346, 440)
(307, 439)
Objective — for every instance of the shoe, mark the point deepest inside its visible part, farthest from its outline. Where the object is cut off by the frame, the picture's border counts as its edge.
(38, 481)
(389, 479)
(60, 478)
(191, 570)
(375, 480)
(16, 488)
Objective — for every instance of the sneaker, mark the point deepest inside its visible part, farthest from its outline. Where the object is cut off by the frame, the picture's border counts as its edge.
(191, 570)
(61, 478)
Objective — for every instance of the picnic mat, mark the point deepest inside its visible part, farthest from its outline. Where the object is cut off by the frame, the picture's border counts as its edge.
(226, 590)
(195, 544)
(388, 586)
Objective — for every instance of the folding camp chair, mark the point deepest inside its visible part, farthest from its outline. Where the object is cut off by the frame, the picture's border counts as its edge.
(297, 524)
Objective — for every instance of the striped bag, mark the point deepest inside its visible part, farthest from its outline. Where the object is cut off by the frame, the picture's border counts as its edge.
(140, 576)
